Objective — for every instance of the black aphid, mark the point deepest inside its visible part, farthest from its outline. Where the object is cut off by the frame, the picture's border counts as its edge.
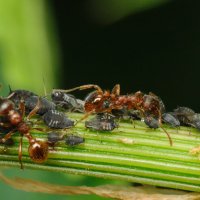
(67, 101)
(170, 119)
(102, 122)
(151, 122)
(125, 114)
(73, 140)
(54, 137)
(44, 104)
(17, 95)
(184, 115)
(195, 120)
(56, 119)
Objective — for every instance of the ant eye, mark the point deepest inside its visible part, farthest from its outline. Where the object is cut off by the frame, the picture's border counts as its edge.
(106, 104)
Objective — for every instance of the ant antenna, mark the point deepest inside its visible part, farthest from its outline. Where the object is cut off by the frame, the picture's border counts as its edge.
(82, 87)
(170, 139)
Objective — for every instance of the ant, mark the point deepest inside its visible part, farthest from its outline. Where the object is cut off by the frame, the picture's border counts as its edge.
(100, 101)
(38, 150)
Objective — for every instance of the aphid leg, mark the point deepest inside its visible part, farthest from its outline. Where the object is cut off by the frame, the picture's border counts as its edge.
(20, 153)
(133, 122)
(34, 111)
(82, 87)
(116, 90)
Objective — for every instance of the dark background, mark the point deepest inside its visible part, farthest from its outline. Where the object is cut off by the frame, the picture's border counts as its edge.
(154, 50)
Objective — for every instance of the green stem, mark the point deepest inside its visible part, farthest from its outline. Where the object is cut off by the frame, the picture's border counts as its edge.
(132, 154)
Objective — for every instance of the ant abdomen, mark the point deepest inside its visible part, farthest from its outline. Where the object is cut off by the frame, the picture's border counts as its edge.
(38, 151)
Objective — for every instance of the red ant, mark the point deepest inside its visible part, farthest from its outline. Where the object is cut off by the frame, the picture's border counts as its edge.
(105, 101)
(38, 150)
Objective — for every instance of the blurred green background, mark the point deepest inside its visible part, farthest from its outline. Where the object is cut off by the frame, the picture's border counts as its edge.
(148, 45)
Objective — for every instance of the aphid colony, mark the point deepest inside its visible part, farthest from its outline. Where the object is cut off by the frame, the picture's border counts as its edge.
(108, 108)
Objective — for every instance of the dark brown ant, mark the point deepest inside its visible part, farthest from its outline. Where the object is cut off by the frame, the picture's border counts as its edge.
(100, 101)
(38, 150)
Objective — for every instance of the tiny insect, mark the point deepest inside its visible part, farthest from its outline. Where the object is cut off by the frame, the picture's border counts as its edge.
(17, 95)
(73, 140)
(102, 122)
(67, 101)
(44, 104)
(195, 120)
(38, 150)
(125, 114)
(57, 119)
(170, 119)
(53, 138)
(151, 122)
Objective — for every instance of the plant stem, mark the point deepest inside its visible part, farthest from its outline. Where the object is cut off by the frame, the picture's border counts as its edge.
(137, 154)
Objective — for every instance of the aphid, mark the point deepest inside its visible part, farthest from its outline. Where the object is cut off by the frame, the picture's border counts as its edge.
(195, 120)
(102, 122)
(100, 101)
(57, 119)
(67, 101)
(125, 114)
(53, 138)
(73, 140)
(184, 115)
(151, 122)
(44, 104)
(38, 150)
(17, 95)
(170, 119)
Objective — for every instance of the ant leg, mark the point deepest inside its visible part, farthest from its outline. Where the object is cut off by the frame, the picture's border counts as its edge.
(160, 124)
(34, 111)
(20, 153)
(170, 139)
(82, 87)
(116, 90)
(22, 108)
(7, 136)
(85, 116)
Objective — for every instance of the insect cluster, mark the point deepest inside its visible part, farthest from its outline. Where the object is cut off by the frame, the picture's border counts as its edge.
(108, 108)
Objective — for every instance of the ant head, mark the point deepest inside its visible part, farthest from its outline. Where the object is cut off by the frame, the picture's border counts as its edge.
(97, 102)
(5, 106)
(38, 151)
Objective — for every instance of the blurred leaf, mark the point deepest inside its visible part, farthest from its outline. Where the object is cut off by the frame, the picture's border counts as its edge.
(106, 12)
(26, 47)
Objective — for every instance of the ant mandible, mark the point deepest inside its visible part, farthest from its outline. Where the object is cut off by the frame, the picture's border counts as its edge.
(38, 150)
(100, 101)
